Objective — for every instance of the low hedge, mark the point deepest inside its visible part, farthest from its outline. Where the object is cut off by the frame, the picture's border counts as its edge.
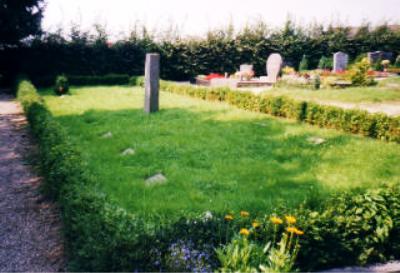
(360, 122)
(351, 228)
(110, 79)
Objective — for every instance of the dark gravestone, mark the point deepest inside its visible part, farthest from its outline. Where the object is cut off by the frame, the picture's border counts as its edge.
(151, 86)
(373, 57)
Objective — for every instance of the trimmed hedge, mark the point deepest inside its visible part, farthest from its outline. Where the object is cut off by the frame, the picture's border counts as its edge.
(110, 79)
(95, 229)
(378, 126)
(351, 228)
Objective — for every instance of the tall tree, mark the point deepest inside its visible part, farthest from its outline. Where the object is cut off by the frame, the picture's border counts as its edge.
(19, 19)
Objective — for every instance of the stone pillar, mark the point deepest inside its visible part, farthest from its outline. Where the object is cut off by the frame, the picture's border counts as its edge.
(151, 85)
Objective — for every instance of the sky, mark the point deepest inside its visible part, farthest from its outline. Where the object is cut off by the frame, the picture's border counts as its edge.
(195, 18)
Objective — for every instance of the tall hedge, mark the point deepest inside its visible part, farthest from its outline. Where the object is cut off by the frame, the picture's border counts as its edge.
(181, 59)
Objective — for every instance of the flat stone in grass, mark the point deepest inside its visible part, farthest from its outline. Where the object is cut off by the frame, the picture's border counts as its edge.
(107, 135)
(316, 140)
(128, 151)
(157, 179)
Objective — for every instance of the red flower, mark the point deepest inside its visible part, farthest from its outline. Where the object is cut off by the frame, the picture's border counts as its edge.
(214, 76)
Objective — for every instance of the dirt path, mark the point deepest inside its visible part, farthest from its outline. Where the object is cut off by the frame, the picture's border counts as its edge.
(30, 227)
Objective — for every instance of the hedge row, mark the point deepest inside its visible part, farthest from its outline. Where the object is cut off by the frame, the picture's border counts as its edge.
(378, 126)
(100, 236)
(110, 79)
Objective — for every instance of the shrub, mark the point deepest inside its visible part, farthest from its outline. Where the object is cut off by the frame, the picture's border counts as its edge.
(136, 81)
(325, 63)
(303, 66)
(352, 228)
(377, 65)
(61, 86)
(359, 74)
(109, 79)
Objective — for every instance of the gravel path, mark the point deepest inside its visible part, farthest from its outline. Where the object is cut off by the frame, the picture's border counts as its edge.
(389, 108)
(30, 226)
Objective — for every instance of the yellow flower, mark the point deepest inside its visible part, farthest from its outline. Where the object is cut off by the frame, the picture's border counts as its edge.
(256, 224)
(228, 217)
(276, 220)
(294, 230)
(291, 229)
(244, 213)
(299, 232)
(244, 231)
(290, 219)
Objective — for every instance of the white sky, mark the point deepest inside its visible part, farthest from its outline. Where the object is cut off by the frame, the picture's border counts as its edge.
(196, 17)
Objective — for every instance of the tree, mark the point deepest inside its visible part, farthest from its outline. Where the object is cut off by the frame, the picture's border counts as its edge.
(19, 19)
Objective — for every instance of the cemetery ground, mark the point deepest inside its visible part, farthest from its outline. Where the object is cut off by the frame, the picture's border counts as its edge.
(384, 97)
(214, 157)
(387, 90)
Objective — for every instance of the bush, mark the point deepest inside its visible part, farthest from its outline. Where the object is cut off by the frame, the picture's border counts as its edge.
(352, 229)
(136, 81)
(303, 66)
(61, 86)
(110, 79)
(359, 74)
(325, 63)
(377, 65)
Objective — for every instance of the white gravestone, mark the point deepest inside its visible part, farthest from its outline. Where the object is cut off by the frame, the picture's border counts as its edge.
(340, 61)
(274, 65)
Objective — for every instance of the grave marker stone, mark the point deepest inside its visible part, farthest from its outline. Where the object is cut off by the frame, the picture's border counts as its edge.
(152, 77)
(373, 57)
(274, 65)
(340, 61)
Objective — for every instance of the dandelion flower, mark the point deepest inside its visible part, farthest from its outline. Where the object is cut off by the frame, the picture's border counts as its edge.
(228, 217)
(244, 213)
(276, 220)
(299, 232)
(290, 219)
(291, 229)
(256, 224)
(244, 231)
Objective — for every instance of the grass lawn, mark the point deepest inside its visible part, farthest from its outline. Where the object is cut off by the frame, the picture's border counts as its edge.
(386, 90)
(215, 157)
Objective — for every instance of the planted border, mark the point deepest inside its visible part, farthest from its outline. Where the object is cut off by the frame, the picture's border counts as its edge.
(351, 228)
(379, 126)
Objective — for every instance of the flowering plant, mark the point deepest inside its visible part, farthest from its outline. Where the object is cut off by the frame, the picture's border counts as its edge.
(245, 254)
(213, 76)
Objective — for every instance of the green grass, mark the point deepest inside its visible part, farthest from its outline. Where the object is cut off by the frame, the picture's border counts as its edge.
(386, 90)
(215, 157)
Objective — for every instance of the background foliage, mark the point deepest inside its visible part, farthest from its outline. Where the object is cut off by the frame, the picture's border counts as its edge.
(81, 53)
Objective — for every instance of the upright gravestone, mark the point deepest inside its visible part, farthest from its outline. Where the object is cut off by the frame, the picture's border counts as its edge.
(340, 61)
(373, 57)
(274, 65)
(151, 86)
